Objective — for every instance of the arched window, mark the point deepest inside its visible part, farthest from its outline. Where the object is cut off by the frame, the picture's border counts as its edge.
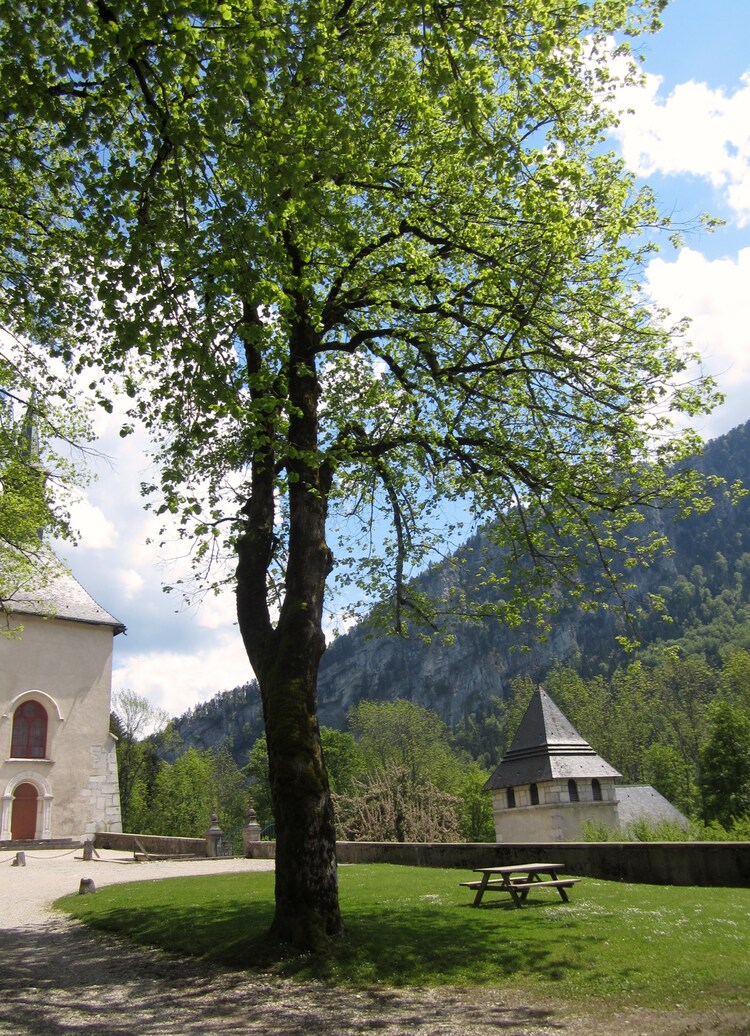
(596, 790)
(29, 739)
(511, 798)
(534, 792)
(572, 790)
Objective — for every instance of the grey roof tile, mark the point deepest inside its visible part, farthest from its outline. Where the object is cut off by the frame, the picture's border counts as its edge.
(63, 597)
(642, 802)
(547, 747)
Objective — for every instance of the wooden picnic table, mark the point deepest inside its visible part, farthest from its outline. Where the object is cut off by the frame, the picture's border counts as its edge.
(518, 880)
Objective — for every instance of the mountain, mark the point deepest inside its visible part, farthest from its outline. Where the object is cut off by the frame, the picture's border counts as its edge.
(710, 555)
(704, 581)
(234, 718)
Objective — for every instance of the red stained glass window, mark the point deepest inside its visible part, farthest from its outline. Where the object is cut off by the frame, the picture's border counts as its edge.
(29, 731)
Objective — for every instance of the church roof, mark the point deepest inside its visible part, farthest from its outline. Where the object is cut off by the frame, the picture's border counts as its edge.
(547, 747)
(63, 597)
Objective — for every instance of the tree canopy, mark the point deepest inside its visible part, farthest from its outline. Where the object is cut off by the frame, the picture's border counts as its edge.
(355, 263)
(418, 200)
(41, 427)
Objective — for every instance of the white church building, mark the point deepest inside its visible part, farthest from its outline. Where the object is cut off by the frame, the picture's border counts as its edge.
(58, 766)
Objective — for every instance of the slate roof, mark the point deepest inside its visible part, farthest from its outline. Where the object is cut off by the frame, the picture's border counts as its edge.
(641, 801)
(63, 597)
(547, 747)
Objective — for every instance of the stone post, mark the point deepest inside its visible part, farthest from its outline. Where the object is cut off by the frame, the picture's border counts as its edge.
(213, 836)
(251, 831)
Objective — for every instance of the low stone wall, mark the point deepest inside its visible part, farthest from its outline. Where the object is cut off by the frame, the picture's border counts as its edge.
(656, 863)
(152, 845)
(15, 845)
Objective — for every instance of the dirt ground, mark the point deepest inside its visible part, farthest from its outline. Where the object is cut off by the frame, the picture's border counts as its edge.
(57, 977)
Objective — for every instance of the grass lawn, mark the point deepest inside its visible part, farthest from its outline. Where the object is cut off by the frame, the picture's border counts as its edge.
(648, 945)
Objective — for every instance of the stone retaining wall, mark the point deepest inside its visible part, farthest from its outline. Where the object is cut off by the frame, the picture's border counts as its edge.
(153, 845)
(658, 863)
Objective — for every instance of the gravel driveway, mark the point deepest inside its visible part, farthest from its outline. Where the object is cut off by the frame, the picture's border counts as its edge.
(57, 977)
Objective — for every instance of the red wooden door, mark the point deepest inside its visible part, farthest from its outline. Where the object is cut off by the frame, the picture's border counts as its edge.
(23, 817)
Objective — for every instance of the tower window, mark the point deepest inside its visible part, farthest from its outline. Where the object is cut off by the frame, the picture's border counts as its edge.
(511, 795)
(596, 790)
(573, 791)
(534, 793)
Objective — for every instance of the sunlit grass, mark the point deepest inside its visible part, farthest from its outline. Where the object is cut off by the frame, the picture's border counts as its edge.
(643, 944)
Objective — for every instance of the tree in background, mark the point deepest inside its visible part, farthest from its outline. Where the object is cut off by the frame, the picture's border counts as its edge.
(182, 799)
(137, 758)
(735, 678)
(725, 764)
(404, 743)
(179, 798)
(230, 795)
(475, 806)
(393, 804)
(665, 768)
(361, 268)
(260, 782)
(344, 759)
(482, 735)
(408, 736)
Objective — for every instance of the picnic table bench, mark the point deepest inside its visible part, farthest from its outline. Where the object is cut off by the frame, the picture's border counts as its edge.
(518, 880)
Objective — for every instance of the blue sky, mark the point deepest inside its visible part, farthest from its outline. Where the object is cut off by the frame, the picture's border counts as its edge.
(689, 137)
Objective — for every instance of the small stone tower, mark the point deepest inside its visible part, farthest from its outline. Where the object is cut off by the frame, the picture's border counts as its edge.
(550, 781)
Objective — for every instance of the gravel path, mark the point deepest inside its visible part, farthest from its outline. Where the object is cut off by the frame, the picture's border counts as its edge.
(58, 978)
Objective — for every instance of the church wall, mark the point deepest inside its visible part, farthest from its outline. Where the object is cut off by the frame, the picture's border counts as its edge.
(67, 667)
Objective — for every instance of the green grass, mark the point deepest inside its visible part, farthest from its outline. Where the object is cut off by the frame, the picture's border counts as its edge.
(629, 944)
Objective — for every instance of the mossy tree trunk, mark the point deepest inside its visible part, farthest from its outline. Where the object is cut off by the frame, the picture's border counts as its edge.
(285, 652)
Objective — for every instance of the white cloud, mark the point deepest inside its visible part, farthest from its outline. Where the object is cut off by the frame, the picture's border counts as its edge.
(129, 581)
(217, 610)
(713, 294)
(176, 681)
(92, 525)
(695, 130)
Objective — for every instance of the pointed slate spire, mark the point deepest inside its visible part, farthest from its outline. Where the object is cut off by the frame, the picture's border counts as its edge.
(547, 747)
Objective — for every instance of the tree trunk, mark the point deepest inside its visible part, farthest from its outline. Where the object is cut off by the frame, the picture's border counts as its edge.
(307, 910)
(285, 657)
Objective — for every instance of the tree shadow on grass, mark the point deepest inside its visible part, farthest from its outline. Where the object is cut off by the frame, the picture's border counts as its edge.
(480, 948)
(448, 943)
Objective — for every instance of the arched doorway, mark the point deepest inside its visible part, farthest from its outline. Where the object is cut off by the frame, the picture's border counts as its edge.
(23, 817)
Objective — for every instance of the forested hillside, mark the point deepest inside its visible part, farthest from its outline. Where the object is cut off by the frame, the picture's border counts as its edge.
(232, 718)
(704, 582)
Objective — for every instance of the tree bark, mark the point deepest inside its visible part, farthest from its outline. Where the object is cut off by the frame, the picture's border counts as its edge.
(285, 656)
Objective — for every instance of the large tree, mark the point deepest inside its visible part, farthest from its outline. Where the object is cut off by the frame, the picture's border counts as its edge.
(365, 268)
